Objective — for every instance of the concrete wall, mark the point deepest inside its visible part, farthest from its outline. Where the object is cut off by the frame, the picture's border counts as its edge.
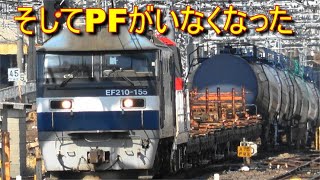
(14, 122)
(17, 128)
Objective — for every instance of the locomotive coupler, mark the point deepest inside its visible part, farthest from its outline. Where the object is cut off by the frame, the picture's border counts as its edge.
(98, 156)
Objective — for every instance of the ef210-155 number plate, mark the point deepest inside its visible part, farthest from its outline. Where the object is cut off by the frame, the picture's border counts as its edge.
(126, 92)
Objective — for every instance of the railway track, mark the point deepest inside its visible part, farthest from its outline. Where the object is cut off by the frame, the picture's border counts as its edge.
(301, 167)
(206, 167)
(285, 165)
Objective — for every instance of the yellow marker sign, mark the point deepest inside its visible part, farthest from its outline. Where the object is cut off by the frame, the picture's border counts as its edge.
(32, 116)
(244, 151)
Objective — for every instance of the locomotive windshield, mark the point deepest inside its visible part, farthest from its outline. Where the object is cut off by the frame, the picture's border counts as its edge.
(136, 62)
(66, 69)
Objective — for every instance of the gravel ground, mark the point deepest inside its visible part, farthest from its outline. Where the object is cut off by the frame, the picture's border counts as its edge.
(252, 174)
(259, 170)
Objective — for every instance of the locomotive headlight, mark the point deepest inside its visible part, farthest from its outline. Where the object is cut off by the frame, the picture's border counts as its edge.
(128, 103)
(66, 104)
(132, 103)
(61, 104)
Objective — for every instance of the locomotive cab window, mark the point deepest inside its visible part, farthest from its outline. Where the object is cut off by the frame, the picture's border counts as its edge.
(130, 69)
(60, 67)
(132, 64)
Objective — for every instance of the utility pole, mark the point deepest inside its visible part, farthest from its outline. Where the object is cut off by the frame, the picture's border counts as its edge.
(31, 70)
(19, 45)
(20, 50)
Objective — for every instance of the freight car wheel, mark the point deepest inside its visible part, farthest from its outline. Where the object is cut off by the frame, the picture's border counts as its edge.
(214, 153)
(174, 163)
(162, 160)
(265, 136)
(301, 138)
(194, 159)
(288, 132)
(184, 156)
(157, 165)
(178, 159)
(226, 152)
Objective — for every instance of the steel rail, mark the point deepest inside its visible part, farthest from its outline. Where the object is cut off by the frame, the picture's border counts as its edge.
(295, 170)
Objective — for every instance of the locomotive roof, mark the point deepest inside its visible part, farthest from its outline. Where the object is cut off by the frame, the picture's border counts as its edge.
(100, 41)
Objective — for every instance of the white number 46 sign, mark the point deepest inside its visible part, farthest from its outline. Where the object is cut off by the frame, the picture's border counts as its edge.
(13, 74)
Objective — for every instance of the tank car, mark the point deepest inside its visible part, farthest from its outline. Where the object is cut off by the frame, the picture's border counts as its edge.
(109, 103)
(288, 104)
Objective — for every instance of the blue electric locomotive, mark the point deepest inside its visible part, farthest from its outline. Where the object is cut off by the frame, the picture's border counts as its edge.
(106, 101)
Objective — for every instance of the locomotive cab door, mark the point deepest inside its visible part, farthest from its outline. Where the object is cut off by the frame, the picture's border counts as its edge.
(165, 94)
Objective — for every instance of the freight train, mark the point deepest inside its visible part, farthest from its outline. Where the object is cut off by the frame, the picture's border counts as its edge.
(117, 104)
(289, 104)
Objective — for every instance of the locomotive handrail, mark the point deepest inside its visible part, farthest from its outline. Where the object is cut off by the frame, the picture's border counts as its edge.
(12, 92)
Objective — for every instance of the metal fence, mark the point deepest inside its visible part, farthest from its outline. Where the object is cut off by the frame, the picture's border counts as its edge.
(14, 92)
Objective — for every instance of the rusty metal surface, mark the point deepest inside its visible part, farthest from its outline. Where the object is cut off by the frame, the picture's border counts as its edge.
(5, 166)
(213, 111)
(67, 41)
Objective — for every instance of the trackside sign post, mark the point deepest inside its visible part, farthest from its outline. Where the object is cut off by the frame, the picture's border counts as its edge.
(13, 74)
(244, 151)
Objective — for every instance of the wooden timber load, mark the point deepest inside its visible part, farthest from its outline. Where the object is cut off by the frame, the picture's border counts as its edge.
(211, 111)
